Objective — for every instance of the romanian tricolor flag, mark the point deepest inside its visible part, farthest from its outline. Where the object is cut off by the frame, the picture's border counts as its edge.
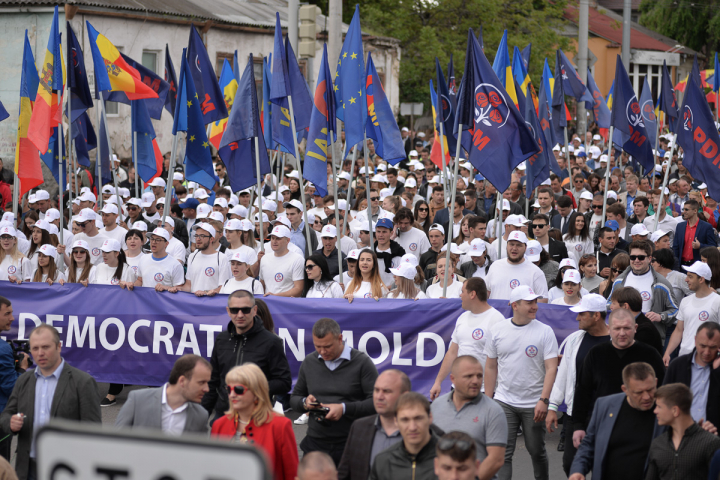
(45, 109)
(522, 78)
(503, 68)
(435, 153)
(609, 99)
(229, 86)
(549, 81)
(27, 156)
(112, 72)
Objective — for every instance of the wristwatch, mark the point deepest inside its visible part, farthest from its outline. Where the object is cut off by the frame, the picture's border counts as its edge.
(546, 401)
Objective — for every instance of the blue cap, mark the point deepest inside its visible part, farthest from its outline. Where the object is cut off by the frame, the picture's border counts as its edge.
(479, 177)
(612, 224)
(190, 203)
(384, 222)
(581, 154)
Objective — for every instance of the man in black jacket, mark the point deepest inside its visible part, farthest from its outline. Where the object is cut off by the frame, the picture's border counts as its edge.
(700, 370)
(245, 340)
(540, 228)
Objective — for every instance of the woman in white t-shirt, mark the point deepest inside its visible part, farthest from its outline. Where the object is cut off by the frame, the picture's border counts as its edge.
(557, 290)
(454, 286)
(578, 240)
(405, 287)
(114, 270)
(134, 241)
(13, 264)
(40, 236)
(239, 267)
(571, 286)
(234, 234)
(81, 269)
(318, 282)
(367, 282)
(47, 270)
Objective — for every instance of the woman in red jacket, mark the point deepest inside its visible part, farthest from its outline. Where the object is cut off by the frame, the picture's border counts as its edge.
(251, 420)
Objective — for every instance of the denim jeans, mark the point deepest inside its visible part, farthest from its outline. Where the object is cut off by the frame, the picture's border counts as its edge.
(534, 433)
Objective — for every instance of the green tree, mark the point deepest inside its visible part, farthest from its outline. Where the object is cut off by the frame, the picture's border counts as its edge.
(695, 24)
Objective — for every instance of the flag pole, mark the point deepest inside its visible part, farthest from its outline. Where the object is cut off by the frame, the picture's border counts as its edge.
(68, 112)
(98, 161)
(452, 208)
(259, 180)
(498, 223)
(112, 167)
(442, 160)
(367, 190)
(300, 174)
(337, 211)
(349, 194)
(173, 154)
(134, 154)
(607, 175)
(16, 198)
(567, 157)
(61, 263)
(281, 178)
(673, 144)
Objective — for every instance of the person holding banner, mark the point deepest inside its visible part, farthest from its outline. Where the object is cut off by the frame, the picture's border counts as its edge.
(80, 268)
(135, 240)
(12, 262)
(318, 280)
(160, 270)
(508, 273)
(114, 270)
(207, 269)
(454, 285)
(366, 283)
(47, 270)
(40, 236)
(281, 271)
(240, 265)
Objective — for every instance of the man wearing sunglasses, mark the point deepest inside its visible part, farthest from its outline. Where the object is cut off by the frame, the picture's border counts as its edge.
(540, 228)
(90, 234)
(134, 210)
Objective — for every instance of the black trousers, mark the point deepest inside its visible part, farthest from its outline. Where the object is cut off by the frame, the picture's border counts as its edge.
(334, 449)
(5, 447)
(570, 450)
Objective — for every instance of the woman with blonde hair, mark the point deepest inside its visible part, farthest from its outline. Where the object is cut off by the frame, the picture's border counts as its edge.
(251, 419)
(367, 282)
(12, 262)
(405, 283)
(47, 270)
(81, 269)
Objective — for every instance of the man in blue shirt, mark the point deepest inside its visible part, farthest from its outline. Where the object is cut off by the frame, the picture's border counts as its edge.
(9, 373)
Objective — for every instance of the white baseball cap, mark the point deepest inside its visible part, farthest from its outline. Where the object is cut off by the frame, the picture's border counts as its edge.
(505, 204)
(411, 183)
(342, 204)
(477, 247)
(700, 269)
(110, 208)
(586, 195)
(612, 194)
(354, 254)
(200, 194)
(8, 230)
(405, 270)
(329, 231)
(522, 292)
(168, 220)
(178, 176)
(518, 236)
(51, 214)
(220, 202)
(413, 153)
(603, 158)
(42, 195)
(216, 216)
(282, 220)
(157, 182)
(88, 197)
(140, 225)
(147, 199)
(85, 215)
(591, 302)
(243, 256)
(246, 225)
(294, 203)
(161, 232)
(269, 205)
(236, 210)
(49, 251)
(265, 218)
(639, 229)
(110, 245)
(283, 188)
(533, 250)
(233, 224)
(596, 137)
(572, 276)
(410, 259)
(568, 262)
(81, 244)
(205, 226)
(203, 210)
(454, 249)
(345, 176)
(657, 235)
(280, 231)
(514, 220)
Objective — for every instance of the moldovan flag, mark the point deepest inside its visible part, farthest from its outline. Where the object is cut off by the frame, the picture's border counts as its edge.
(27, 157)
(435, 152)
(229, 86)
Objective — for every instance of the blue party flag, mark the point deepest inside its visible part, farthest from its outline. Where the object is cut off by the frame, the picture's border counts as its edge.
(546, 125)
(647, 107)
(80, 96)
(381, 125)
(148, 164)
(559, 120)
(537, 167)
(571, 82)
(85, 139)
(445, 112)
(668, 103)
(210, 95)
(3, 113)
(600, 110)
(171, 80)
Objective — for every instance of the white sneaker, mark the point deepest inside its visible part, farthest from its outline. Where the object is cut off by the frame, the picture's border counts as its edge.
(302, 420)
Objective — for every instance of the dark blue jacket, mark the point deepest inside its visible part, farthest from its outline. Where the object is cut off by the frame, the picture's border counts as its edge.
(8, 374)
(704, 233)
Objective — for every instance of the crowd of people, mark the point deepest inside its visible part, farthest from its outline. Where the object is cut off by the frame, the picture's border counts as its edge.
(636, 387)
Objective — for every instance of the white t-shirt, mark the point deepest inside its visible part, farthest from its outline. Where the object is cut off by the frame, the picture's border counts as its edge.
(249, 285)
(177, 250)
(104, 275)
(492, 249)
(21, 268)
(595, 223)
(414, 241)
(346, 244)
(561, 301)
(324, 290)
(95, 243)
(280, 273)
(58, 276)
(471, 332)
(577, 247)
(166, 271)
(243, 248)
(365, 290)
(503, 277)
(643, 284)
(91, 276)
(291, 246)
(694, 312)
(207, 272)
(453, 289)
(555, 292)
(420, 296)
(521, 352)
(345, 280)
(118, 233)
(134, 262)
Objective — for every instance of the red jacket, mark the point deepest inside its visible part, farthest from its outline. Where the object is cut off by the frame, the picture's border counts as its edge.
(276, 438)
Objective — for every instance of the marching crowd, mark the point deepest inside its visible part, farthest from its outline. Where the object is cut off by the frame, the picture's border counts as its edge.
(636, 387)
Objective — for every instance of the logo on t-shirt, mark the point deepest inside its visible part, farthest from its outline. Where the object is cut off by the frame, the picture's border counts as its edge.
(703, 316)
(209, 272)
(514, 283)
(578, 247)
(159, 277)
(531, 351)
(12, 269)
(279, 277)
(645, 296)
(95, 252)
(367, 295)
(478, 334)
(135, 269)
(114, 281)
(413, 246)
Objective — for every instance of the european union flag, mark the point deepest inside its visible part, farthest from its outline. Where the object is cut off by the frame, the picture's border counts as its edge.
(56, 147)
(3, 113)
(149, 78)
(237, 147)
(546, 125)
(647, 107)
(668, 103)
(142, 125)
(600, 110)
(349, 85)
(445, 112)
(189, 118)
(85, 139)
(323, 129)
(209, 93)
(381, 125)
(80, 96)
(171, 80)
(501, 140)
(628, 119)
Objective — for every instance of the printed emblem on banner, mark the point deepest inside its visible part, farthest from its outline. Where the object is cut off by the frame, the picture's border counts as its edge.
(159, 277)
(478, 334)
(12, 269)
(633, 113)
(514, 283)
(279, 277)
(491, 109)
(413, 246)
(645, 296)
(95, 252)
(531, 351)
(578, 247)
(688, 119)
(209, 272)
(704, 316)
(114, 281)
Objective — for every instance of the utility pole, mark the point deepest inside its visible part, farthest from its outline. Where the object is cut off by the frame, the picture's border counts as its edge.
(293, 6)
(627, 7)
(582, 62)
(335, 39)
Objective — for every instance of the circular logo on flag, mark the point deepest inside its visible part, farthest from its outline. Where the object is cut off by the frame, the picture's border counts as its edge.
(114, 281)
(688, 119)
(491, 108)
(95, 252)
(478, 334)
(514, 283)
(531, 351)
(413, 246)
(703, 316)
(578, 247)
(279, 277)
(209, 272)
(648, 111)
(645, 296)
(633, 113)
(367, 295)
(12, 269)
(159, 277)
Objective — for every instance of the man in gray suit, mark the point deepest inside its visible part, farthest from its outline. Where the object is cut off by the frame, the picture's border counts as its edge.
(62, 391)
(175, 407)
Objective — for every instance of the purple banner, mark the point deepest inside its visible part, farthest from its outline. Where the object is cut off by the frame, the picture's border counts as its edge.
(134, 337)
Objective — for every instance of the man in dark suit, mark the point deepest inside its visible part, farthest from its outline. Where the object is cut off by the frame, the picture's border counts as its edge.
(540, 228)
(692, 235)
(188, 383)
(561, 220)
(442, 216)
(65, 392)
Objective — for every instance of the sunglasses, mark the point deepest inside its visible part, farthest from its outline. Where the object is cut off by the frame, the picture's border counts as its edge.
(83, 224)
(79, 252)
(615, 270)
(6, 237)
(538, 226)
(238, 389)
(638, 257)
(132, 208)
(374, 199)
(449, 444)
(244, 310)
(597, 207)
(309, 267)
(423, 209)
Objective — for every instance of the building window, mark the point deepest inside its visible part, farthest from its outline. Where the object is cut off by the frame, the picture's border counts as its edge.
(638, 73)
(258, 75)
(220, 60)
(149, 60)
